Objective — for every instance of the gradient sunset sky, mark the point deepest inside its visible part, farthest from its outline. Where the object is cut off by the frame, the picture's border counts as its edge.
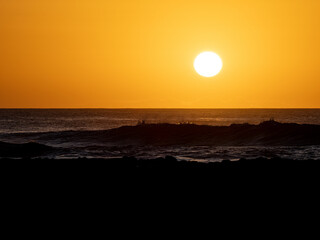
(139, 54)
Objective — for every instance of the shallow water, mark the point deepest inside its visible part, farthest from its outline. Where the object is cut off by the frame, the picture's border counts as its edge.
(195, 153)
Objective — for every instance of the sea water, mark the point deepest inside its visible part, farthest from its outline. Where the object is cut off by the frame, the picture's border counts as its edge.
(24, 125)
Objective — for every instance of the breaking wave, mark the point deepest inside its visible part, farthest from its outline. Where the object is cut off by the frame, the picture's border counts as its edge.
(268, 133)
(184, 141)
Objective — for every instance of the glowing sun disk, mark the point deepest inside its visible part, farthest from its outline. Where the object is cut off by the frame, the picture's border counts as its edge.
(207, 64)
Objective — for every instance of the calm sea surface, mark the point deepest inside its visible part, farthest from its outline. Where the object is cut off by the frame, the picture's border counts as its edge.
(24, 125)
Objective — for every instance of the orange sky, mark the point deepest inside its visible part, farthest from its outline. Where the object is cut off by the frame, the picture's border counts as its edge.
(132, 54)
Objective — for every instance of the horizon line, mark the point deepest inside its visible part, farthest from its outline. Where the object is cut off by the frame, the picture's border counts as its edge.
(88, 108)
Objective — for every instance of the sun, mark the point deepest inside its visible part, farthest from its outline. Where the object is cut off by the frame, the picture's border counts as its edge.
(207, 64)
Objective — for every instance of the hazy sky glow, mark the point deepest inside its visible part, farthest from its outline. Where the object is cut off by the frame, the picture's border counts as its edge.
(130, 53)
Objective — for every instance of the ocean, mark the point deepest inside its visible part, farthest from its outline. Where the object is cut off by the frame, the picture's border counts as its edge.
(72, 132)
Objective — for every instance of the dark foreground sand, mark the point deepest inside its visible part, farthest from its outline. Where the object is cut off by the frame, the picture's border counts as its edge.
(83, 166)
(159, 187)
